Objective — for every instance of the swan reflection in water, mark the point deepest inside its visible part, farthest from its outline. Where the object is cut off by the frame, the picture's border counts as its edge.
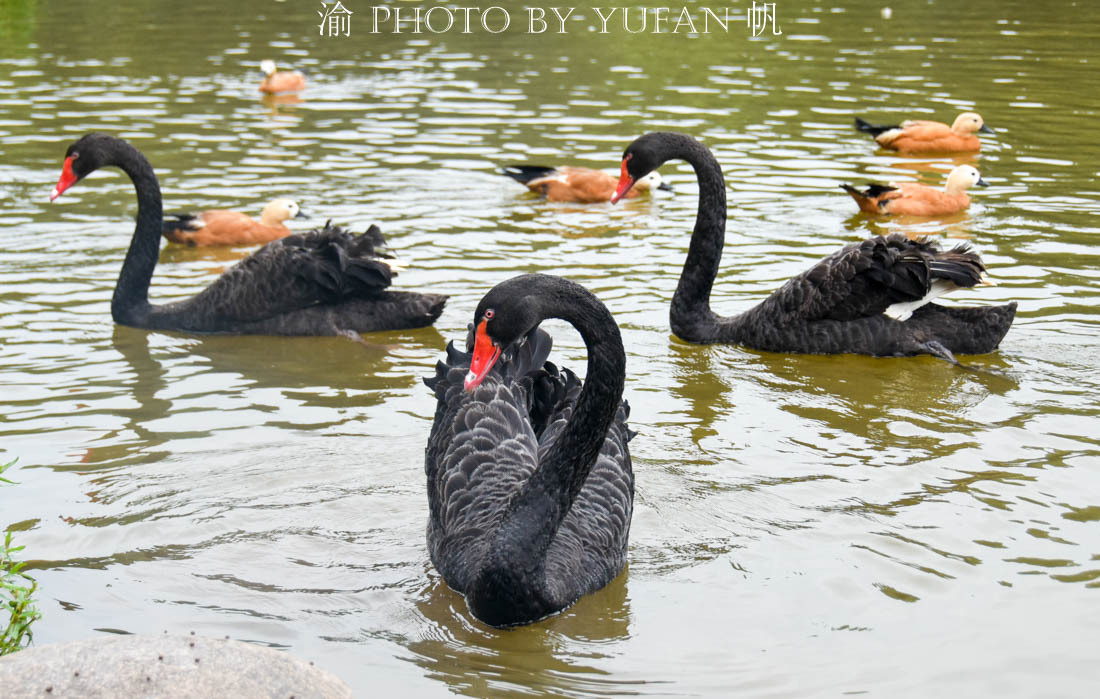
(220, 370)
(559, 654)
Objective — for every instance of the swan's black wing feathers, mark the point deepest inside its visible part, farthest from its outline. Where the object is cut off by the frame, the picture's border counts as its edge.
(863, 279)
(322, 267)
(481, 450)
(590, 547)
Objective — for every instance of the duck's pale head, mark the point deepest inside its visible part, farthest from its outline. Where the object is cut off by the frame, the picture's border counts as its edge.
(279, 210)
(652, 181)
(963, 178)
(970, 123)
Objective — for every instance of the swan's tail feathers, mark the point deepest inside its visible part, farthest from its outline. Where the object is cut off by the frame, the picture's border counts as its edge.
(527, 173)
(908, 279)
(961, 265)
(363, 254)
(368, 274)
(435, 304)
(930, 274)
(336, 265)
(873, 129)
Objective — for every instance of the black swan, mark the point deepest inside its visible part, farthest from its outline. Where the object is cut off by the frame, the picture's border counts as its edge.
(871, 297)
(530, 487)
(326, 282)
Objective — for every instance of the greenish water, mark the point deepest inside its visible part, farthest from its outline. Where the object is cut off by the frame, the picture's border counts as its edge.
(804, 525)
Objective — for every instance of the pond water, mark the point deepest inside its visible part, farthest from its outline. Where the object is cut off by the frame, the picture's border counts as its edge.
(803, 524)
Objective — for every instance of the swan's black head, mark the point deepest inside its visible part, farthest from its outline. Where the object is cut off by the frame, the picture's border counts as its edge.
(503, 318)
(90, 153)
(643, 156)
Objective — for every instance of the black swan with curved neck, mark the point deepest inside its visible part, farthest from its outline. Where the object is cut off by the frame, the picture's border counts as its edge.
(530, 487)
(326, 282)
(871, 297)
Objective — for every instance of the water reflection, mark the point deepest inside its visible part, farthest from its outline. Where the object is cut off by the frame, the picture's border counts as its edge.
(560, 655)
(698, 383)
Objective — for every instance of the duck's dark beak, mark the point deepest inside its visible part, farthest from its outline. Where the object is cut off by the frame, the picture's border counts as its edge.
(301, 214)
(986, 129)
(486, 354)
(665, 186)
(981, 183)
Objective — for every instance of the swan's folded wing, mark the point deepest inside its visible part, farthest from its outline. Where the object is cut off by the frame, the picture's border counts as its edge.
(481, 450)
(322, 267)
(590, 546)
(860, 280)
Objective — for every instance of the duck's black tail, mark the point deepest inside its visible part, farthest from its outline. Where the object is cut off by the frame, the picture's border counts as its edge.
(872, 128)
(526, 173)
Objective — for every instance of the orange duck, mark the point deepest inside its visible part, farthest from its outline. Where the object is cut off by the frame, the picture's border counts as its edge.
(280, 81)
(577, 184)
(918, 136)
(914, 199)
(222, 227)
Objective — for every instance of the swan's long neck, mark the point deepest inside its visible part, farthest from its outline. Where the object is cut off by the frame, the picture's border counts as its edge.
(517, 554)
(130, 303)
(565, 468)
(690, 315)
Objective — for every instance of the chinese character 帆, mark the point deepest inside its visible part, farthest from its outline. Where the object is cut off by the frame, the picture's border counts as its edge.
(759, 16)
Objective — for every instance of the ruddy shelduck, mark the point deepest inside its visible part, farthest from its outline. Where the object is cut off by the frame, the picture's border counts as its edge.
(280, 81)
(914, 199)
(222, 227)
(580, 185)
(918, 136)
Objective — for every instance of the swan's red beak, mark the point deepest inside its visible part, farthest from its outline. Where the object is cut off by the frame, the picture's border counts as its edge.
(68, 179)
(486, 354)
(625, 183)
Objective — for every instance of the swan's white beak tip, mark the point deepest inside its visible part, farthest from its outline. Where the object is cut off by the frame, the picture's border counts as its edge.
(54, 194)
(471, 379)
